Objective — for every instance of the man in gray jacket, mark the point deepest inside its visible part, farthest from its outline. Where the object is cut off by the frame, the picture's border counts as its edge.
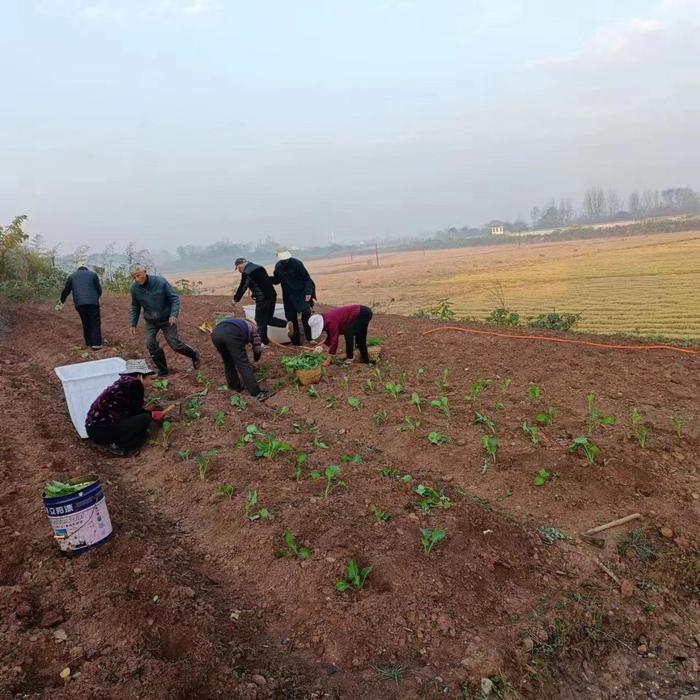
(85, 287)
(161, 307)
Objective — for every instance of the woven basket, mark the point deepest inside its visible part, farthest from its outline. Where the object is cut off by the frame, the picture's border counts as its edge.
(374, 352)
(309, 376)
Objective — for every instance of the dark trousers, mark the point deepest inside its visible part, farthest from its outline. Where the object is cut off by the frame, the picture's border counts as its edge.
(231, 341)
(292, 313)
(90, 318)
(357, 332)
(129, 434)
(171, 338)
(265, 316)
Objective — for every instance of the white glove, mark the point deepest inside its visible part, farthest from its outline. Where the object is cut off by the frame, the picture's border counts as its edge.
(318, 349)
(58, 307)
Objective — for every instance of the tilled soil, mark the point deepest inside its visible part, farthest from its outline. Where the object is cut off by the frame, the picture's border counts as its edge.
(191, 599)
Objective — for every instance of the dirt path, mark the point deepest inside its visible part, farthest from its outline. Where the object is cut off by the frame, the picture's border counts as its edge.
(191, 600)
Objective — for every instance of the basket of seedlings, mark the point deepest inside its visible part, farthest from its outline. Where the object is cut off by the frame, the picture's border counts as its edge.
(307, 368)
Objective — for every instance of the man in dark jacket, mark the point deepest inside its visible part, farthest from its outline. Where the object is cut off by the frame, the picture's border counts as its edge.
(255, 278)
(231, 336)
(85, 286)
(161, 307)
(298, 293)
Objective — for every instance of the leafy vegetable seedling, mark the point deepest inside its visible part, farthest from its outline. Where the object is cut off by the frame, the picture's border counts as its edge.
(534, 393)
(319, 444)
(270, 447)
(639, 429)
(299, 552)
(429, 538)
(482, 419)
(442, 383)
(161, 385)
(351, 459)
(282, 411)
(583, 444)
(228, 490)
(250, 513)
(344, 382)
(476, 388)
(416, 401)
(166, 435)
(442, 405)
(393, 389)
(238, 402)
(546, 417)
(379, 418)
(184, 455)
(594, 418)
(203, 460)
(431, 499)
(550, 535)
(333, 481)
(542, 477)
(490, 445)
(202, 378)
(381, 516)
(355, 403)
(409, 425)
(251, 433)
(193, 408)
(678, 425)
(354, 578)
(219, 420)
(435, 438)
(531, 432)
(313, 392)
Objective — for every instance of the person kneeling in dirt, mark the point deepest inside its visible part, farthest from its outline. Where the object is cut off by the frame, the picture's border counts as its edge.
(161, 306)
(349, 321)
(230, 337)
(117, 417)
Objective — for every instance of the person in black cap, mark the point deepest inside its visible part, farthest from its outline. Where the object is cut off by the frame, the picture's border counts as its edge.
(117, 417)
(255, 278)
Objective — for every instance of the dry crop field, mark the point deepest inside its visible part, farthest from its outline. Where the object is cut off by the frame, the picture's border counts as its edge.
(648, 285)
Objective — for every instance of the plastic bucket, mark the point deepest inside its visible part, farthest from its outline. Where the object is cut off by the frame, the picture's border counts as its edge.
(277, 335)
(80, 521)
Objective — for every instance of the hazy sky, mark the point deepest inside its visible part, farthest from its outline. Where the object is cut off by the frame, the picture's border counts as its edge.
(188, 121)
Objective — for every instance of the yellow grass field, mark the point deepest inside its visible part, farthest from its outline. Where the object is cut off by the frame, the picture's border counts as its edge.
(647, 285)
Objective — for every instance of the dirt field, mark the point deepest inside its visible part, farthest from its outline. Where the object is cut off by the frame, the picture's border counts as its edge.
(647, 285)
(192, 600)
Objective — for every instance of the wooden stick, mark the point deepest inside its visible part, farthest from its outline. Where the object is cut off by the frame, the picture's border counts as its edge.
(613, 523)
(607, 571)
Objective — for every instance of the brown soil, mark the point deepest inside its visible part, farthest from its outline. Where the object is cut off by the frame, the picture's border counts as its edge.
(189, 599)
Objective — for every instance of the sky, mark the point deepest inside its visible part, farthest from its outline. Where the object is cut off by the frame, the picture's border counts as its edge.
(173, 122)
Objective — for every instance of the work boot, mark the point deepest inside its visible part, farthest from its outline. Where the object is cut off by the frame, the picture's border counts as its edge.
(196, 360)
(160, 362)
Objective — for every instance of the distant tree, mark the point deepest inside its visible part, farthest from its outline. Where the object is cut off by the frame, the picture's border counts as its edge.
(680, 200)
(535, 216)
(550, 218)
(634, 204)
(566, 211)
(594, 203)
(614, 203)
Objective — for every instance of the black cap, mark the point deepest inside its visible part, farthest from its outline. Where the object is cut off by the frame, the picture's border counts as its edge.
(238, 261)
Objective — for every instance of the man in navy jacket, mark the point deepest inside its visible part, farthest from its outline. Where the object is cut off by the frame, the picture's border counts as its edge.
(85, 287)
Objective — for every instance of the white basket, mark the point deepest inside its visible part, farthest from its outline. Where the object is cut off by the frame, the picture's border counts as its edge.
(278, 335)
(84, 382)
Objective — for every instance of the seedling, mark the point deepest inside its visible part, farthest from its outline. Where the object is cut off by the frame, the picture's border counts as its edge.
(380, 417)
(271, 448)
(319, 444)
(442, 405)
(476, 388)
(203, 460)
(483, 419)
(420, 372)
(202, 378)
(678, 425)
(391, 474)
(222, 389)
(282, 411)
(299, 552)
(416, 401)
(161, 385)
(430, 499)
(429, 538)
(166, 435)
(313, 393)
(251, 501)
(355, 403)
(392, 673)
(354, 578)
(219, 420)
(499, 406)
(377, 371)
(534, 393)
(546, 417)
(262, 373)
(583, 444)
(505, 384)
(550, 535)
(381, 516)
(368, 388)
(351, 459)
(251, 433)
(344, 382)
(227, 490)
(238, 402)
(542, 477)
(594, 418)
(490, 445)
(300, 462)
(193, 412)
(435, 438)
(442, 383)
(640, 431)
(333, 482)
(184, 455)
(639, 542)
(409, 425)
(393, 389)
(531, 432)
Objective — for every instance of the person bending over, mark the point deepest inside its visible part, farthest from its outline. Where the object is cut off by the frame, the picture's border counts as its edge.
(349, 321)
(117, 417)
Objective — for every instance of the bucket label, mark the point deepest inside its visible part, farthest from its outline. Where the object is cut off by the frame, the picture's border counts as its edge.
(75, 529)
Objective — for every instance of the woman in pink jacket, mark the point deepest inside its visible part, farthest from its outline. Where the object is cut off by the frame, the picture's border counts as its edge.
(349, 321)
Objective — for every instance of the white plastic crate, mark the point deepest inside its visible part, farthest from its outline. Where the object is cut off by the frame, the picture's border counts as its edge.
(83, 382)
(278, 335)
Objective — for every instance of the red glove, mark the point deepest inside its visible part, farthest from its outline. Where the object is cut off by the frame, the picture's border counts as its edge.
(158, 415)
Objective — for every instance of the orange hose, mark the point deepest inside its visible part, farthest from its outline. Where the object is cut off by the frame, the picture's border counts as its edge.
(568, 341)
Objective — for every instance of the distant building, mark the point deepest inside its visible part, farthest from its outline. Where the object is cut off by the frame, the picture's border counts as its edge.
(497, 231)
